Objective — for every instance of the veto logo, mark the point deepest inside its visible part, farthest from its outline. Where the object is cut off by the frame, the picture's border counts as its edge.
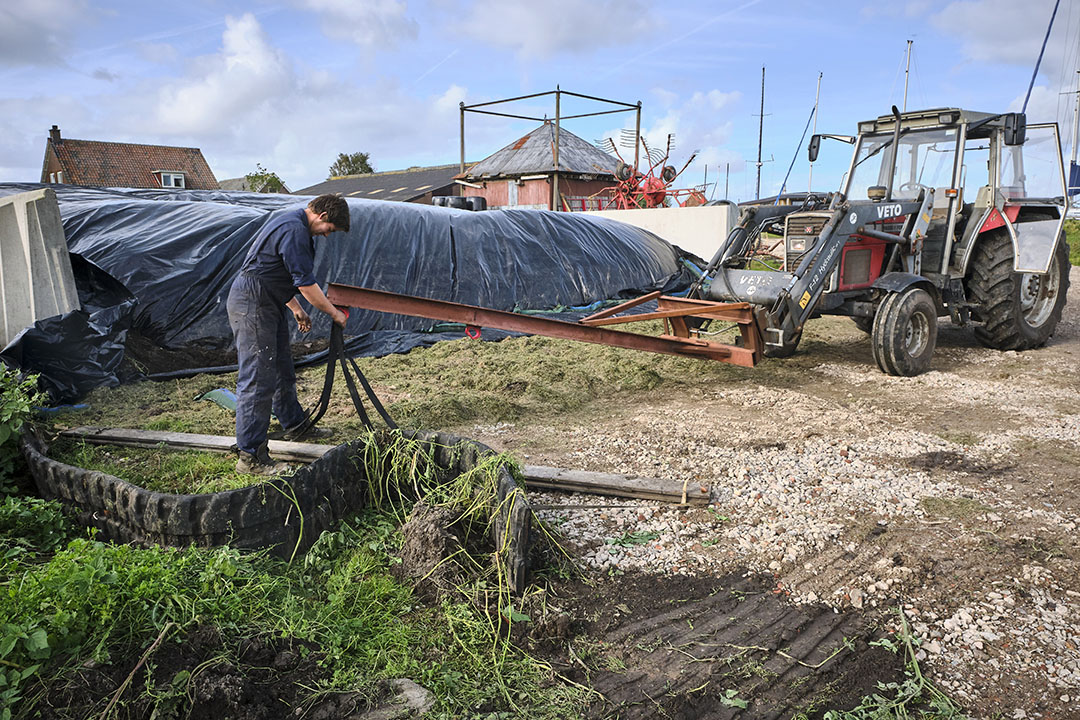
(888, 211)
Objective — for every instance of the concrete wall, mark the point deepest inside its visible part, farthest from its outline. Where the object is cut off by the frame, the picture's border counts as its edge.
(35, 273)
(699, 230)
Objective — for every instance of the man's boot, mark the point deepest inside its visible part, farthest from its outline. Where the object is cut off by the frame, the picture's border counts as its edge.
(260, 464)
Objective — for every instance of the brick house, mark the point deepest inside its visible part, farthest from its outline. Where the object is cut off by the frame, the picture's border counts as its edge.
(521, 174)
(114, 164)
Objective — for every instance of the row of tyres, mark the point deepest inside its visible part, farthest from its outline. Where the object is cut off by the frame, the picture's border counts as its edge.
(458, 202)
(161, 262)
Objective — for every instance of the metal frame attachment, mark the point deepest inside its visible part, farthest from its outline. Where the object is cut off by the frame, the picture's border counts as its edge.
(680, 338)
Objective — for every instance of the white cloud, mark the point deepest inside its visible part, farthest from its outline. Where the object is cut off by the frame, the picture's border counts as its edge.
(540, 30)
(1004, 30)
(38, 32)
(368, 23)
(248, 77)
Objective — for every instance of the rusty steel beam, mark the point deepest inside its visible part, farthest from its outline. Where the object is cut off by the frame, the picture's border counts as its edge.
(442, 310)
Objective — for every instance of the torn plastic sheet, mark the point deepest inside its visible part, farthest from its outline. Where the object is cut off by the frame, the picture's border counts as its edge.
(177, 253)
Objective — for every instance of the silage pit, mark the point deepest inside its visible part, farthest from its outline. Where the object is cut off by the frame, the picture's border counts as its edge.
(284, 515)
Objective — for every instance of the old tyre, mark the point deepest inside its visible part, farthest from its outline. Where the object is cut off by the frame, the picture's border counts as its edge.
(866, 324)
(1018, 311)
(906, 333)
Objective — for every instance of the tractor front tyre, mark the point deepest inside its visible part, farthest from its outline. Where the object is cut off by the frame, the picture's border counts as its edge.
(1018, 311)
(905, 333)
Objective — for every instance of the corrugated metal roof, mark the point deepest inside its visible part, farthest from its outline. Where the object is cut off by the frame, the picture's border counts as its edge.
(535, 153)
(400, 185)
(105, 164)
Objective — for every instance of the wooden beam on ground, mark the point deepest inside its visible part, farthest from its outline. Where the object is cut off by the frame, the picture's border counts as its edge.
(615, 485)
(539, 477)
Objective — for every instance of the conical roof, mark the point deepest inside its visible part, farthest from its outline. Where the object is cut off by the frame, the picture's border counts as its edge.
(535, 153)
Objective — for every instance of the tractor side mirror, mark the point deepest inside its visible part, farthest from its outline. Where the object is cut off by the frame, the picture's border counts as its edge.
(814, 146)
(1015, 128)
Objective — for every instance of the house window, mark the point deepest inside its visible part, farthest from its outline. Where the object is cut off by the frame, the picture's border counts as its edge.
(172, 180)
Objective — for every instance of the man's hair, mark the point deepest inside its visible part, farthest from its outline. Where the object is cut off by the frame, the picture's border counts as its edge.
(336, 209)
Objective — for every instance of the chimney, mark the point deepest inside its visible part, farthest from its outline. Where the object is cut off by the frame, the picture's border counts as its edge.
(54, 135)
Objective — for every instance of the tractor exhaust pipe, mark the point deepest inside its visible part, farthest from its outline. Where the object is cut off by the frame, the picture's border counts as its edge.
(895, 151)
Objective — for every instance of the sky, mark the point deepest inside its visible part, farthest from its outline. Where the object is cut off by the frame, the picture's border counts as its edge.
(291, 84)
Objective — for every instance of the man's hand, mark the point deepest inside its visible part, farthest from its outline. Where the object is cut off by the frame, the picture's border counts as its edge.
(339, 317)
(303, 320)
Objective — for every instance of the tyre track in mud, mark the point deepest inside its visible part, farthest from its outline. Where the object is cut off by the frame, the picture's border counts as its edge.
(730, 647)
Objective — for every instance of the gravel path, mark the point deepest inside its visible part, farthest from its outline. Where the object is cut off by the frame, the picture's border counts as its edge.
(952, 496)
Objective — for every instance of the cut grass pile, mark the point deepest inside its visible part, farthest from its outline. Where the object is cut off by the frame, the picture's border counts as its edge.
(160, 469)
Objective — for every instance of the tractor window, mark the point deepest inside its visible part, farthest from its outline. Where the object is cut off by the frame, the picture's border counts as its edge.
(1033, 170)
(925, 159)
(976, 167)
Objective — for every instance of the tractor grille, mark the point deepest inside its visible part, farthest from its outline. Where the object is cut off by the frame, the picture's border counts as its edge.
(800, 232)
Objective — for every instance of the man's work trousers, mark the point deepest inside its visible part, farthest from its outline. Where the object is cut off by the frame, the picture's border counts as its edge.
(267, 381)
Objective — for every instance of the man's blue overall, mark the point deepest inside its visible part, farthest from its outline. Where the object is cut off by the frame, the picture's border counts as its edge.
(280, 260)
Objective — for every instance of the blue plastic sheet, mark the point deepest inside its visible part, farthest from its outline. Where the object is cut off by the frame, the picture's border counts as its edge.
(177, 252)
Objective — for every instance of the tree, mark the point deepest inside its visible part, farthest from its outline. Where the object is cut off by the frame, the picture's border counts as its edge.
(357, 163)
(263, 180)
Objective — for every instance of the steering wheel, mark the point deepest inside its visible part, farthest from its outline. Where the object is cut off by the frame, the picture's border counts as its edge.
(912, 186)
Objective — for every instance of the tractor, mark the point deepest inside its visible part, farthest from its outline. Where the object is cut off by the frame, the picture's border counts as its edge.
(942, 213)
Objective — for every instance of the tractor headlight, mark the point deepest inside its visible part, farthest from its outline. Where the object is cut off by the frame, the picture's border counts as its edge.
(797, 245)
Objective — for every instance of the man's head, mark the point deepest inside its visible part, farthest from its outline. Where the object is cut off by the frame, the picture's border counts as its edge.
(327, 214)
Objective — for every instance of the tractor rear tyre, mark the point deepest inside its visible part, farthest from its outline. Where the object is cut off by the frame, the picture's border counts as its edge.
(905, 333)
(1018, 311)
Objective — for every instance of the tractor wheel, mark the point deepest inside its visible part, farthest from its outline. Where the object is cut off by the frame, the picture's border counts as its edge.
(875, 331)
(866, 324)
(788, 349)
(1018, 311)
(905, 333)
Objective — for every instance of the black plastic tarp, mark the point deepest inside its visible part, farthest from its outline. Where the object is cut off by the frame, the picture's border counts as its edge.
(176, 253)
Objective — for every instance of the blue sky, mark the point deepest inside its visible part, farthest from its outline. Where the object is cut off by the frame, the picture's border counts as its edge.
(291, 84)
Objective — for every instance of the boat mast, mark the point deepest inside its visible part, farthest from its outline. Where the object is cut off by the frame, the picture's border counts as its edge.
(817, 97)
(907, 71)
(761, 126)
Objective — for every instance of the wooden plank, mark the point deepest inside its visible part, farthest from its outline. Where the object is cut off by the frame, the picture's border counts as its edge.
(646, 488)
(282, 450)
(537, 476)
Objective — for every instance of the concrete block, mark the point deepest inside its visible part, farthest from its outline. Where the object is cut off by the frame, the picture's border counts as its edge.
(35, 272)
(699, 230)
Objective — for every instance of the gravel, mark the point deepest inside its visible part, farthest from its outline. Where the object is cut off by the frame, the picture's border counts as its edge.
(844, 494)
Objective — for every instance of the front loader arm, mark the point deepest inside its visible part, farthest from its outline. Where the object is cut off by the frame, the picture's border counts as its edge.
(787, 299)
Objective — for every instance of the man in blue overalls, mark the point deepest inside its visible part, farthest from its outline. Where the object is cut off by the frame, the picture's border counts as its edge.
(279, 264)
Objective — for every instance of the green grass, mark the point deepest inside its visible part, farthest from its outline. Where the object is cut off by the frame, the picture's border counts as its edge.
(1072, 234)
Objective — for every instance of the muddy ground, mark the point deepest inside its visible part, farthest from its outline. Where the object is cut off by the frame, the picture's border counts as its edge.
(952, 496)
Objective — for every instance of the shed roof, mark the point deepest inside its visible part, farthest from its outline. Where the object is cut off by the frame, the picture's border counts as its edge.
(399, 185)
(115, 164)
(535, 153)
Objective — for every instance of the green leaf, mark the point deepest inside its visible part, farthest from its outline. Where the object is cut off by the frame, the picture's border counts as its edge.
(38, 641)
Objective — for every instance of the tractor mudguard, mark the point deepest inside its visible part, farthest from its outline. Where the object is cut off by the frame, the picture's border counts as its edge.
(898, 281)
